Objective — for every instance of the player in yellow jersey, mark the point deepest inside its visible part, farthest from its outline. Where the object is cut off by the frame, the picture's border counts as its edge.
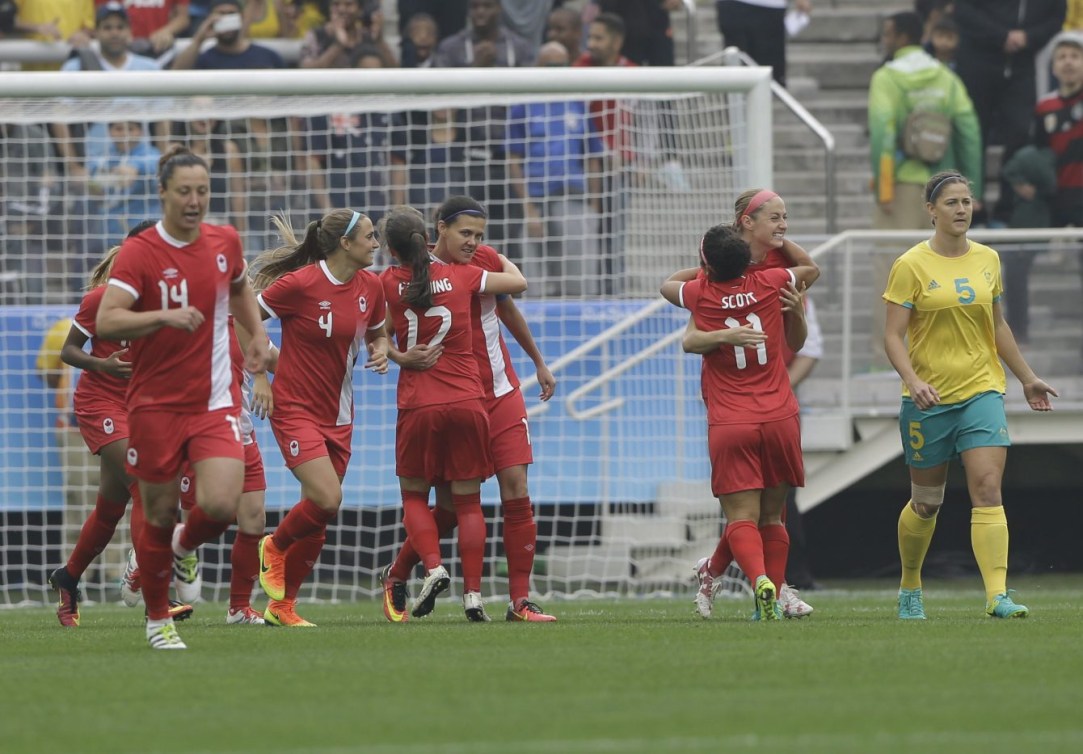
(944, 296)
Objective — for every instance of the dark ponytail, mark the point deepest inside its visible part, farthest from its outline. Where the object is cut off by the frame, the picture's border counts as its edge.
(404, 231)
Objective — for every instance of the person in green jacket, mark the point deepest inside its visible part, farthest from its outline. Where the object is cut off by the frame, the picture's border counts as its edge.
(912, 80)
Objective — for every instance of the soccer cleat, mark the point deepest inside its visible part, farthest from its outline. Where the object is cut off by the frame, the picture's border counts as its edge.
(178, 611)
(792, 604)
(767, 606)
(705, 594)
(475, 608)
(272, 569)
(395, 597)
(246, 616)
(436, 581)
(130, 583)
(911, 604)
(67, 609)
(186, 576)
(527, 612)
(163, 635)
(1002, 606)
(283, 614)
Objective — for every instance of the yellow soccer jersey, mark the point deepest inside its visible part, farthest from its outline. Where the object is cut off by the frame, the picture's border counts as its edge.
(952, 345)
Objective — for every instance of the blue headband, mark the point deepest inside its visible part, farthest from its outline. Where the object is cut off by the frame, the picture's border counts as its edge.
(452, 216)
(937, 187)
(353, 222)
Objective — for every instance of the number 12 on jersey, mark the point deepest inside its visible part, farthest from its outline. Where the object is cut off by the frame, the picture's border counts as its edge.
(412, 325)
(739, 351)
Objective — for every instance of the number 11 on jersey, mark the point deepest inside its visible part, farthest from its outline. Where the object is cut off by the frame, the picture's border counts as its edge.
(739, 351)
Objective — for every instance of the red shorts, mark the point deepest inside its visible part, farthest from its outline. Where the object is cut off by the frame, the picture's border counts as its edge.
(444, 443)
(160, 442)
(300, 439)
(254, 478)
(755, 456)
(509, 433)
(101, 424)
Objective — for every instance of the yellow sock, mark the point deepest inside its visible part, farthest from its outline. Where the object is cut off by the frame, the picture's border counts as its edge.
(989, 538)
(915, 534)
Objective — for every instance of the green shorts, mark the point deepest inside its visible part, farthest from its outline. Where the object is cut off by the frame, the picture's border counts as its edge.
(935, 436)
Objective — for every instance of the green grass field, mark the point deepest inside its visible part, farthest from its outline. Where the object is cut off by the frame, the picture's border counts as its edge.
(611, 676)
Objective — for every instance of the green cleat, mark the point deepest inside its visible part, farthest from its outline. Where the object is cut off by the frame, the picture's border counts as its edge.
(911, 604)
(767, 607)
(1002, 606)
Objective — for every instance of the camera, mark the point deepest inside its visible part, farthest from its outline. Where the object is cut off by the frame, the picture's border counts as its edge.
(227, 23)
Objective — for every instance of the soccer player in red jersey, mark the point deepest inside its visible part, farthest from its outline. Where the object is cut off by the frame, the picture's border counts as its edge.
(170, 293)
(251, 516)
(753, 431)
(442, 433)
(508, 428)
(329, 305)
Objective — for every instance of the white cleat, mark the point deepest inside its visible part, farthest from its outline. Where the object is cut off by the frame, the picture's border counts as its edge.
(436, 581)
(130, 582)
(705, 593)
(162, 634)
(475, 608)
(244, 616)
(792, 604)
(187, 579)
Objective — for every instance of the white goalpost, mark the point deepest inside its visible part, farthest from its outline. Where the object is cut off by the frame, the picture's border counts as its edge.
(599, 183)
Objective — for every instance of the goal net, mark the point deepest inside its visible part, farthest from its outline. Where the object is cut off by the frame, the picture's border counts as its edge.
(598, 182)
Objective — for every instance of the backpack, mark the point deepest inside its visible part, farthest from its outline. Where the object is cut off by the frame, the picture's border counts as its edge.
(926, 136)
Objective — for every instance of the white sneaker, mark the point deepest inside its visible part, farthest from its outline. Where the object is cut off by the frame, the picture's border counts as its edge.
(475, 608)
(245, 616)
(436, 581)
(162, 634)
(792, 605)
(705, 594)
(130, 582)
(187, 579)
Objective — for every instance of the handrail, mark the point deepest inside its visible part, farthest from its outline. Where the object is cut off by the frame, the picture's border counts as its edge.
(691, 24)
(730, 54)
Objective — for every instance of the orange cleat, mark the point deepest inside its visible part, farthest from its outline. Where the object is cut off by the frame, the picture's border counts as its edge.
(526, 611)
(272, 569)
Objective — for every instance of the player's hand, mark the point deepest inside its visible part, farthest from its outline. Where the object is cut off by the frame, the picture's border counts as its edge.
(744, 336)
(263, 400)
(793, 299)
(115, 367)
(258, 357)
(187, 318)
(421, 357)
(1037, 393)
(923, 394)
(547, 382)
(377, 359)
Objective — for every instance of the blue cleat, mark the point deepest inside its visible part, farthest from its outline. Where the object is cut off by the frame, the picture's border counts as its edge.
(1002, 606)
(911, 604)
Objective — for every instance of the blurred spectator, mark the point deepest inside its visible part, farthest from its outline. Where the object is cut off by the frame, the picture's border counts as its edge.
(282, 19)
(564, 26)
(487, 43)
(123, 188)
(527, 18)
(347, 156)
(1032, 174)
(1073, 20)
(998, 41)
(916, 104)
(114, 36)
(352, 23)
(209, 138)
(648, 33)
(554, 159)
(428, 160)
(944, 41)
(932, 12)
(155, 23)
(612, 121)
(450, 15)
(232, 49)
(70, 21)
(419, 42)
(758, 27)
(8, 13)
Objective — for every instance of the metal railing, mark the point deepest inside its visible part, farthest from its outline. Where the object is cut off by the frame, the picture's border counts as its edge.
(734, 56)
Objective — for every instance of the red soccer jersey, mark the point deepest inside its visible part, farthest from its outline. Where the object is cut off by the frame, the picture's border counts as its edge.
(324, 322)
(744, 385)
(448, 323)
(173, 370)
(494, 363)
(97, 387)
